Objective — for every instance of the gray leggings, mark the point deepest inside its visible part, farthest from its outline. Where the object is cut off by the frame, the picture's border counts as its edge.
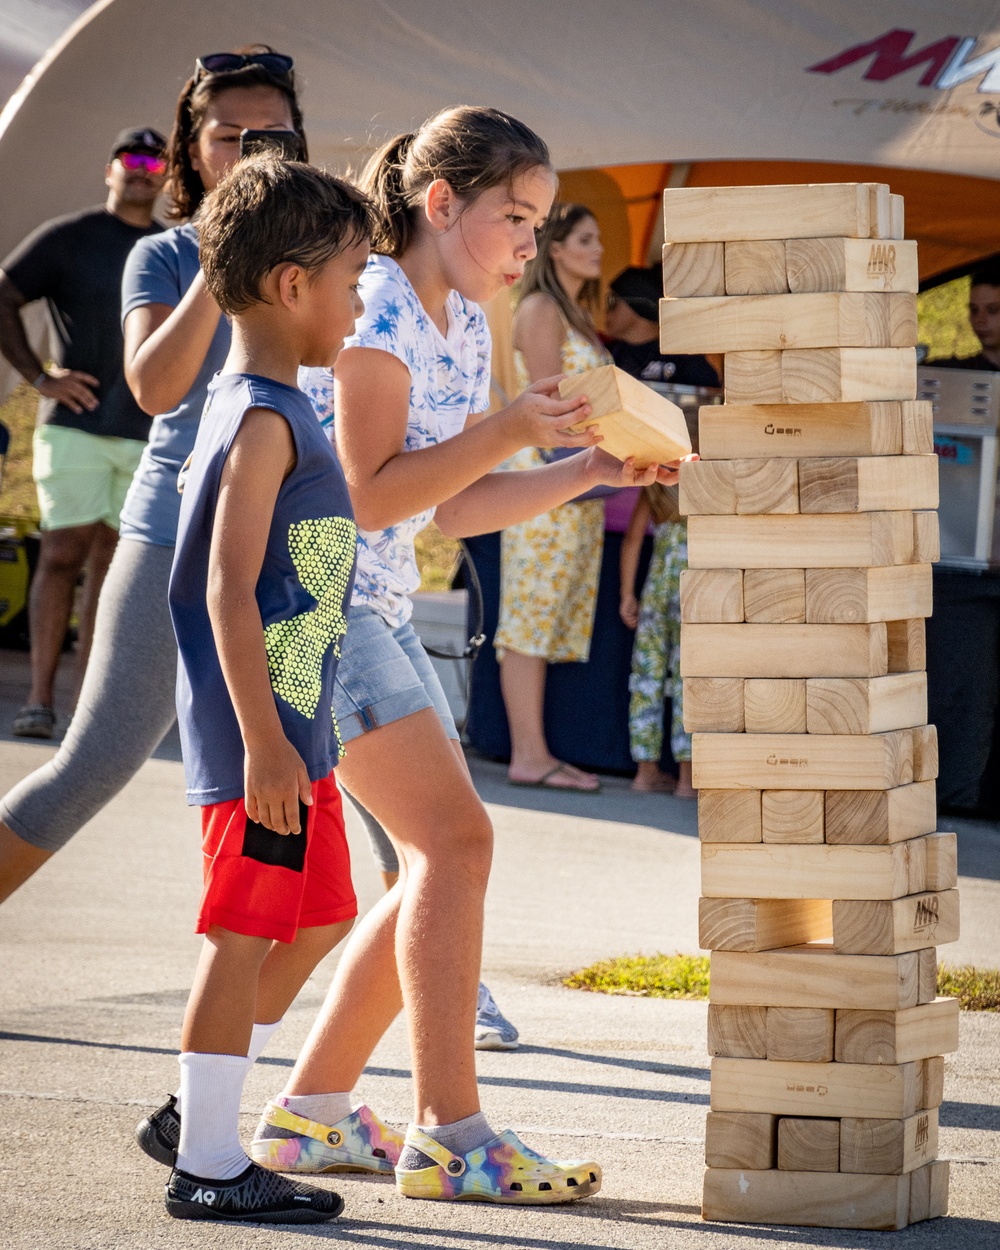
(126, 704)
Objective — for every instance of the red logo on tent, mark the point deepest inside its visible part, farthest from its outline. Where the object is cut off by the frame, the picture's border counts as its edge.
(947, 62)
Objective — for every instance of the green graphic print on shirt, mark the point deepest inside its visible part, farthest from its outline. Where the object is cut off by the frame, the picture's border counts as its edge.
(323, 552)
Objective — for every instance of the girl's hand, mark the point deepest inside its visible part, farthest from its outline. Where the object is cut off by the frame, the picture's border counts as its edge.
(628, 610)
(539, 418)
(602, 469)
(275, 782)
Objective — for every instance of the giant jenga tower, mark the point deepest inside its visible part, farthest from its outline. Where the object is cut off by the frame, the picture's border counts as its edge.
(812, 528)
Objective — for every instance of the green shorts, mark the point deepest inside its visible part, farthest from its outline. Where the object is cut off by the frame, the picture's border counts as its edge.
(82, 478)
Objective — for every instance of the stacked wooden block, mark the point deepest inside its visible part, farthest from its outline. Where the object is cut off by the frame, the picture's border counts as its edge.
(811, 532)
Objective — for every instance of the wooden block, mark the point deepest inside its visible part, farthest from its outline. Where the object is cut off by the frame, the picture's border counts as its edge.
(761, 924)
(942, 858)
(848, 540)
(707, 486)
(779, 870)
(814, 976)
(907, 642)
(916, 863)
(794, 762)
(917, 418)
(890, 593)
(782, 650)
(918, 1032)
(792, 816)
(932, 1088)
(765, 486)
(926, 535)
(737, 1032)
(880, 209)
(775, 596)
(925, 748)
(755, 268)
(873, 817)
(927, 975)
(801, 1035)
(774, 706)
(878, 1091)
(820, 375)
(889, 928)
(733, 430)
(694, 269)
(865, 705)
(929, 1192)
(887, 1147)
(714, 704)
(896, 217)
(729, 815)
(698, 214)
(714, 596)
(850, 265)
(760, 323)
(809, 1199)
(631, 418)
(740, 1140)
(808, 1144)
(869, 484)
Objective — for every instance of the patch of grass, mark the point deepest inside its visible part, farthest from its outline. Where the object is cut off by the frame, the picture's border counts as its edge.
(645, 976)
(977, 989)
(943, 318)
(437, 557)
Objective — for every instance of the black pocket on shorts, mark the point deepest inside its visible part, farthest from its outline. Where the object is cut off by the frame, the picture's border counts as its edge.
(283, 850)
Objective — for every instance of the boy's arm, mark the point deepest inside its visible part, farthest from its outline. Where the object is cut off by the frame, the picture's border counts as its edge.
(261, 457)
(629, 561)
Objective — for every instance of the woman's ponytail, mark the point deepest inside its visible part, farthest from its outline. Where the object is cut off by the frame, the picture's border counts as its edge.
(384, 181)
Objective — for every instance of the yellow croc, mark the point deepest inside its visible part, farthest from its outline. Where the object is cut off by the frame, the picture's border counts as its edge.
(358, 1143)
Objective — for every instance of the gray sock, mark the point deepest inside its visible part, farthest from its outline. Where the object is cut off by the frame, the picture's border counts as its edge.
(459, 1138)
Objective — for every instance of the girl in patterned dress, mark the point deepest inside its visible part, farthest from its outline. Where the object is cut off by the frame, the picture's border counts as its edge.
(550, 565)
(656, 618)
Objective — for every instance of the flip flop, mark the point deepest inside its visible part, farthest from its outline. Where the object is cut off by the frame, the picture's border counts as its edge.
(543, 783)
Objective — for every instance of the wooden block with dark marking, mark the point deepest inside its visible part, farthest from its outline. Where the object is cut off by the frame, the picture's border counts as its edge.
(929, 1192)
(766, 430)
(872, 817)
(783, 650)
(925, 749)
(845, 596)
(878, 1091)
(712, 596)
(774, 596)
(755, 267)
(808, 1144)
(907, 642)
(775, 705)
(740, 1139)
(713, 704)
(694, 269)
(865, 705)
(832, 541)
(918, 1032)
(737, 1032)
(914, 922)
(887, 1147)
(802, 762)
(760, 924)
(801, 1035)
(792, 816)
(869, 484)
(808, 1199)
(850, 265)
(729, 815)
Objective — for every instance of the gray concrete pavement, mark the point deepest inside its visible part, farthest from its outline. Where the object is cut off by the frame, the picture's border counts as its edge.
(97, 954)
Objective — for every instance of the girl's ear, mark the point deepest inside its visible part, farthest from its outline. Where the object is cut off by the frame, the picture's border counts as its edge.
(441, 205)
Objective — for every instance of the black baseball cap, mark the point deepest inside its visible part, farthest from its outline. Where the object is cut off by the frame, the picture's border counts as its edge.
(641, 289)
(142, 139)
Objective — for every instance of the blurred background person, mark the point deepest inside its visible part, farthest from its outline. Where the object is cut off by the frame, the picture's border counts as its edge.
(90, 431)
(632, 332)
(984, 316)
(550, 565)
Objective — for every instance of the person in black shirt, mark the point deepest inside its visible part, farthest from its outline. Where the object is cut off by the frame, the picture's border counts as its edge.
(984, 314)
(632, 328)
(90, 430)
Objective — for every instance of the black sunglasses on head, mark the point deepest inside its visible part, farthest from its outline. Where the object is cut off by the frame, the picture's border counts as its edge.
(227, 62)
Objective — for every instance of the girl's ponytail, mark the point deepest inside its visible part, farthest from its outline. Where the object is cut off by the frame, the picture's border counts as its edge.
(383, 180)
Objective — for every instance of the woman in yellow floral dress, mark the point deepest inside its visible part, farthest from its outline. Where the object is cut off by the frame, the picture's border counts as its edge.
(550, 565)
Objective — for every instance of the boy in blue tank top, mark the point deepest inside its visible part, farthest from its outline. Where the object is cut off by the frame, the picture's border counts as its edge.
(259, 592)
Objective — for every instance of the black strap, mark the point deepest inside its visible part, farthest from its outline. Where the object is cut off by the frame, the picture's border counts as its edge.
(472, 647)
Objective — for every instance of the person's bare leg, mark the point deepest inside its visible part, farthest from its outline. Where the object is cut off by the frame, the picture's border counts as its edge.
(62, 555)
(289, 965)
(522, 681)
(19, 860)
(430, 924)
(220, 1009)
(389, 879)
(651, 779)
(684, 788)
(102, 548)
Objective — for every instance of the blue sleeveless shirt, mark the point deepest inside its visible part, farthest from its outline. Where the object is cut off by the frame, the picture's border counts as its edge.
(303, 592)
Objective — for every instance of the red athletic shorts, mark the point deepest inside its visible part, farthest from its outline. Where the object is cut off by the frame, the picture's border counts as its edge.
(267, 884)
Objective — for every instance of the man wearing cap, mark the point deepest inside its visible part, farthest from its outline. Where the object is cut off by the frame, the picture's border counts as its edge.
(90, 430)
(632, 326)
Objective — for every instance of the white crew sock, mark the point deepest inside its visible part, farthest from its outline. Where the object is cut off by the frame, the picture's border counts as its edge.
(211, 1088)
(259, 1038)
(324, 1108)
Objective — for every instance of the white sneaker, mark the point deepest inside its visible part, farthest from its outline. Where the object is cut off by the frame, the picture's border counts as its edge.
(493, 1030)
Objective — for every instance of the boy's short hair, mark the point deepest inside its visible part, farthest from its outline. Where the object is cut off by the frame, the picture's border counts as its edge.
(267, 212)
(987, 274)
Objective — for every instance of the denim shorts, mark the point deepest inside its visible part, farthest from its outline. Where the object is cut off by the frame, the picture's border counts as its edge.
(384, 674)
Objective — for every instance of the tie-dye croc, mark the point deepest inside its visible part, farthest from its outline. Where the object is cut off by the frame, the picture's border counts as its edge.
(360, 1142)
(503, 1170)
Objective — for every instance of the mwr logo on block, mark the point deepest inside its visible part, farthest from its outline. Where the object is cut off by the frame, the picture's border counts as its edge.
(923, 1131)
(926, 914)
(948, 61)
(882, 261)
